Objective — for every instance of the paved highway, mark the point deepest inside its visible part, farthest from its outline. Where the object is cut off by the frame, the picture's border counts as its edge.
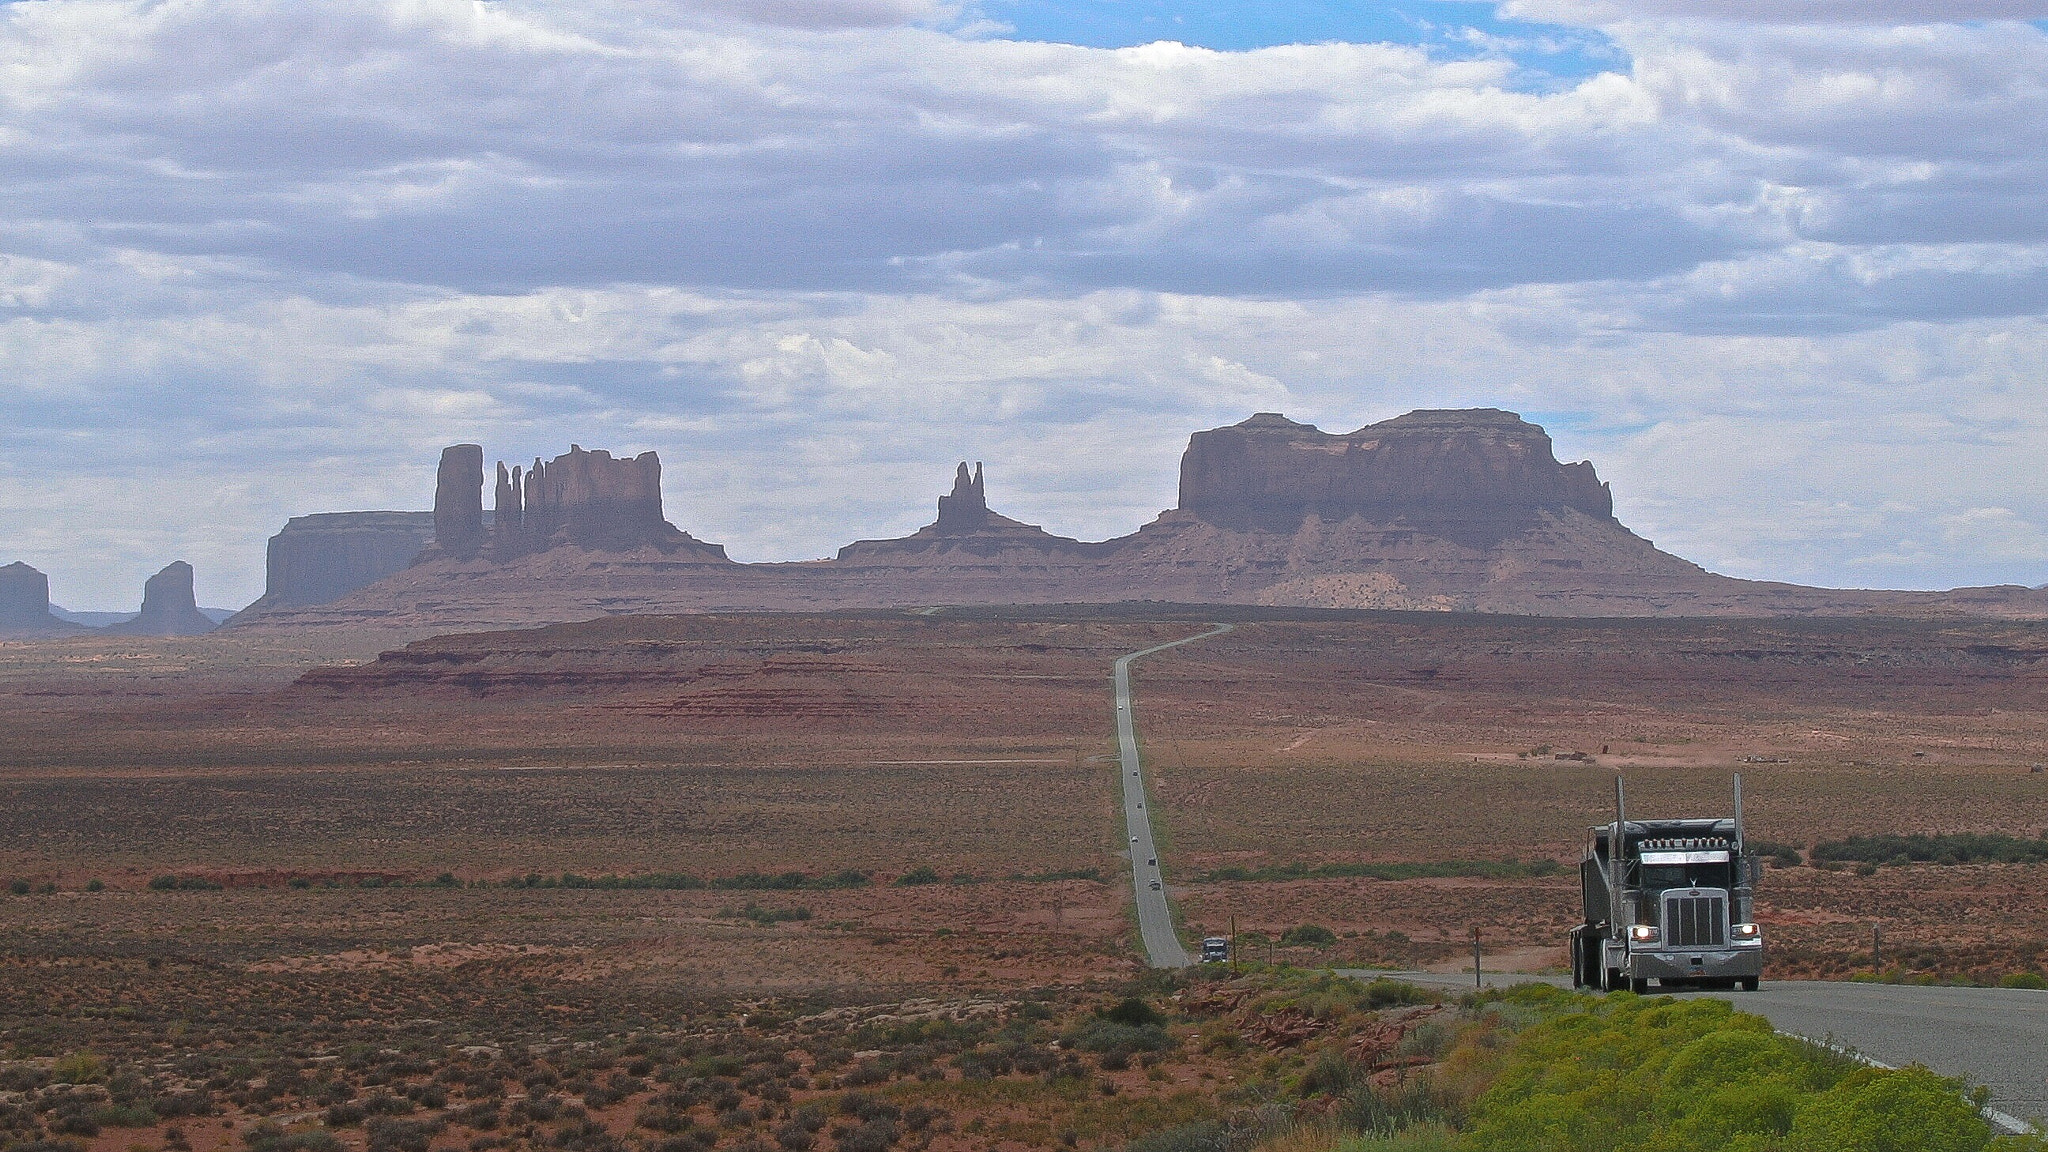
(1997, 1037)
(1155, 918)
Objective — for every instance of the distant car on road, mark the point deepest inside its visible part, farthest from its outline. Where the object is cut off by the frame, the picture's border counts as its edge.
(1215, 949)
(1155, 885)
(1152, 860)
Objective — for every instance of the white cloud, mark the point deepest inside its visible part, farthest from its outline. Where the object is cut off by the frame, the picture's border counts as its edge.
(1753, 12)
(1783, 281)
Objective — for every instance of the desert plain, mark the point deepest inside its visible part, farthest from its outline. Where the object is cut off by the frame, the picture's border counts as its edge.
(389, 860)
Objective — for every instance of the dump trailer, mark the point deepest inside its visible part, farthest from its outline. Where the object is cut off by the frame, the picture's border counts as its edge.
(1670, 901)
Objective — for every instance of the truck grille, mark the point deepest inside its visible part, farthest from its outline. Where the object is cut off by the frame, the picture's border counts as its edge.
(1695, 921)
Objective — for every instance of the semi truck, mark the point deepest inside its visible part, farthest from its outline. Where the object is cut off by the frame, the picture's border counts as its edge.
(1667, 900)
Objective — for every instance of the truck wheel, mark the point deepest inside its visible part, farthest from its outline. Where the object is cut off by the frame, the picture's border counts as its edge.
(1640, 985)
(1614, 982)
(1748, 983)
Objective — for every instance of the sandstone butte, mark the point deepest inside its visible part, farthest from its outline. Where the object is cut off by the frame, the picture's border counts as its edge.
(168, 607)
(1465, 510)
(25, 604)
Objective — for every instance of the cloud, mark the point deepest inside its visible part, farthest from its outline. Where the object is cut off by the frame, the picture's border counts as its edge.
(1751, 12)
(1783, 280)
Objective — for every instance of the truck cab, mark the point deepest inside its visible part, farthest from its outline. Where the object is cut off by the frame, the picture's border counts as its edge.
(1667, 900)
(1215, 949)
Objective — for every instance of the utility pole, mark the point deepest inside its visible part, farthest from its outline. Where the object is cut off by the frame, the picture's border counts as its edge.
(1233, 945)
(1478, 985)
(1876, 947)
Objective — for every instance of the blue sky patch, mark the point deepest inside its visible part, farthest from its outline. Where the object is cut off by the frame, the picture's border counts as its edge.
(1547, 53)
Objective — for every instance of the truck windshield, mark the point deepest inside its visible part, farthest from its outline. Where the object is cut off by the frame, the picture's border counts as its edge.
(1658, 877)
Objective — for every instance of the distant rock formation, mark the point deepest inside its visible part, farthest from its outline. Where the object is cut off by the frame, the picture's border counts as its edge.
(459, 501)
(966, 534)
(25, 604)
(320, 558)
(168, 607)
(1466, 511)
(966, 509)
(1474, 476)
(589, 500)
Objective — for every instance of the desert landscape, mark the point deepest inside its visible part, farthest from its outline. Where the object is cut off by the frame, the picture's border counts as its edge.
(1023, 576)
(452, 891)
(974, 743)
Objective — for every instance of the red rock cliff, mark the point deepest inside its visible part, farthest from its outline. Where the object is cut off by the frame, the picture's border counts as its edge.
(1468, 472)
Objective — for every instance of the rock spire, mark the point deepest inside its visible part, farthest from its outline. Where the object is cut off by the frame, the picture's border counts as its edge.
(966, 508)
(459, 500)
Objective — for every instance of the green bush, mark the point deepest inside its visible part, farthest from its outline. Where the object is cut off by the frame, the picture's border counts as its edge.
(1697, 1076)
(19, 887)
(124, 1116)
(1205, 1136)
(1780, 855)
(1947, 848)
(793, 881)
(1132, 1010)
(1094, 874)
(1308, 936)
(1486, 869)
(2023, 980)
(78, 1068)
(920, 875)
(267, 1136)
(168, 883)
(1385, 993)
(766, 917)
(1873, 1110)
(1110, 1036)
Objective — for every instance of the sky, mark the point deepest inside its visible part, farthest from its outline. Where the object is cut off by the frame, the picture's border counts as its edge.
(1783, 280)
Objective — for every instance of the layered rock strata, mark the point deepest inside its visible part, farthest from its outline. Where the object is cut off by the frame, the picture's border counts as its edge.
(320, 558)
(168, 606)
(25, 604)
(1479, 475)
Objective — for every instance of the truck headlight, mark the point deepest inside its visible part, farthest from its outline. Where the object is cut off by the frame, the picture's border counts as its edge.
(1745, 932)
(1643, 933)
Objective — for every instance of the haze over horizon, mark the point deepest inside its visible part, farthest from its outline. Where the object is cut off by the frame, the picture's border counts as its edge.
(1783, 283)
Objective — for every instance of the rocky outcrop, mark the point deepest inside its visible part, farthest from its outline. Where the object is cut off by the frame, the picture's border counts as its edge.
(320, 558)
(25, 604)
(1475, 476)
(966, 508)
(459, 501)
(967, 536)
(168, 606)
(589, 500)
(1466, 511)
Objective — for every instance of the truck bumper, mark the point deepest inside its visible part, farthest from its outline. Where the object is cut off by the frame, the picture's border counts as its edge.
(1696, 964)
